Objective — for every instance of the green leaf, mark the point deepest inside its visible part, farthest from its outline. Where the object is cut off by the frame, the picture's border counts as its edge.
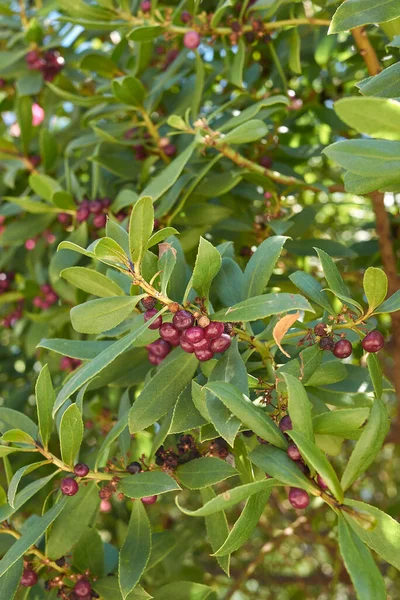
(100, 64)
(208, 263)
(185, 415)
(251, 416)
(166, 264)
(299, 407)
(72, 522)
(71, 434)
(17, 436)
(13, 419)
(89, 552)
(24, 114)
(375, 372)
(247, 132)
(140, 228)
(92, 282)
(96, 366)
(185, 590)
(80, 9)
(217, 529)
(376, 117)
(383, 537)
(246, 523)
(383, 85)
(392, 304)
(16, 480)
(162, 544)
(260, 266)
(44, 186)
(228, 499)
(31, 536)
(375, 287)
(311, 288)
(161, 392)
(111, 436)
(277, 464)
(294, 51)
(332, 275)
(251, 111)
(45, 398)
(354, 13)
(9, 582)
(144, 33)
(109, 589)
(317, 459)
(102, 314)
(24, 495)
(202, 472)
(236, 71)
(370, 158)
(161, 235)
(109, 251)
(81, 349)
(340, 422)
(329, 372)
(364, 573)
(260, 307)
(166, 179)
(369, 444)
(199, 89)
(147, 483)
(135, 551)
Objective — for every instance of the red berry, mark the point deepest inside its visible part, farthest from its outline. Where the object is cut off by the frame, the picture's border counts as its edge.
(285, 424)
(191, 40)
(321, 482)
(170, 149)
(320, 329)
(148, 302)
(183, 319)
(373, 341)
(153, 359)
(186, 346)
(266, 162)
(149, 314)
(81, 470)
(82, 588)
(293, 452)
(202, 345)
(134, 468)
(298, 498)
(29, 578)
(186, 16)
(204, 355)
(96, 207)
(343, 349)
(64, 218)
(82, 214)
(221, 343)
(214, 330)
(99, 221)
(149, 499)
(194, 335)
(170, 334)
(159, 348)
(69, 487)
(145, 5)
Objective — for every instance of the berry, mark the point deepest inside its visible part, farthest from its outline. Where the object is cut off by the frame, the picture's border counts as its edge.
(191, 40)
(266, 162)
(153, 359)
(298, 498)
(81, 470)
(149, 499)
(140, 152)
(221, 343)
(343, 349)
(134, 468)
(235, 26)
(170, 334)
(29, 578)
(293, 452)
(321, 482)
(105, 493)
(69, 487)
(149, 314)
(185, 16)
(245, 251)
(183, 319)
(64, 219)
(326, 343)
(194, 335)
(214, 330)
(373, 341)
(285, 424)
(82, 214)
(96, 207)
(145, 5)
(159, 348)
(99, 221)
(204, 355)
(186, 346)
(169, 150)
(148, 302)
(320, 329)
(30, 244)
(105, 506)
(82, 588)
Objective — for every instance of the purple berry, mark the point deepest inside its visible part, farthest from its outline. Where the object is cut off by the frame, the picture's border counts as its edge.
(266, 162)
(170, 334)
(321, 482)
(82, 214)
(149, 314)
(326, 343)
(186, 346)
(81, 470)
(373, 341)
(82, 588)
(221, 343)
(298, 498)
(183, 319)
(99, 221)
(214, 330)
(169, 150)
(159, 348)
(285, 424)
(69, 487)
(153, 359)
(293, 452)
(194, 335)
(29, 578)
(204, 355)
(148, 302)
(96, 207)
(134, 468)
(64, 218)
(149, 499)
(202, 345)
(343, 349)
(191, 40)
(185, 16)
(145, 5)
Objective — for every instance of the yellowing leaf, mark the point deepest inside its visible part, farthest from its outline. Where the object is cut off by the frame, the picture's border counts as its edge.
(281, 329)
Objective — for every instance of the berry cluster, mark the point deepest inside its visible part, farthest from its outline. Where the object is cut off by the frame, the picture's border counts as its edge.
(6, 280)
(373, 342)
(204, 342)
(98, 208)
(187, 450)
(14, 316)
(50, 63)
(47, 298)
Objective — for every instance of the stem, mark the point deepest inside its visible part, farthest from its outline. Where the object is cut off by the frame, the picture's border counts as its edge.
(64, 467)
(22, 14)
(152, 129)
(8, 530)
(278, 66)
